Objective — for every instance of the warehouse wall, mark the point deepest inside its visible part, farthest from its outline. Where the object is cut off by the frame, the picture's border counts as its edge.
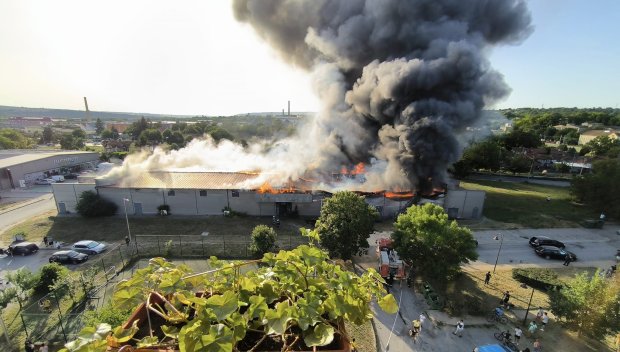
(66, 195)
(32, 170)
(464, 204)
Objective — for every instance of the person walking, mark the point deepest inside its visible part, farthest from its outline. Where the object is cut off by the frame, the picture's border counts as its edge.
(459, 328)
(539, 314)
(545, 320)
(45, 241)
(532, 328)
(487, 278)
(505, 299)
(537, 346)
(422, 318)
(518, 333)
(567, 260)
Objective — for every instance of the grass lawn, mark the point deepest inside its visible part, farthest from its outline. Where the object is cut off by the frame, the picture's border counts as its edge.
(526, 205)
(71, 229)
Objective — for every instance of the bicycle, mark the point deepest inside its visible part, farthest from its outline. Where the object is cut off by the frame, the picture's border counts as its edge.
(493, 317)
(501, 336)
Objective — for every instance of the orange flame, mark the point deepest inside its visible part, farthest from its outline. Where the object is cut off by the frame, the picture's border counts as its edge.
(359, 169)
(267, 188)
(398, 195)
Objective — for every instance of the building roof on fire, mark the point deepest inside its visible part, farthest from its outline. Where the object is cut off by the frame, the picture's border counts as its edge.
(185, 180)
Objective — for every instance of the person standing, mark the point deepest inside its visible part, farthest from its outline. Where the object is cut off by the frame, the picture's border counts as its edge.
(532, 328)
(44, 348)
(487, 278)
(45, 241)
(518, 333)
(29, 346)
(459, 328)
(545, 320)
(505, 299)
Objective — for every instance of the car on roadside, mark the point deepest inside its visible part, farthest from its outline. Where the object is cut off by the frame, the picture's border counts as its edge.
(23, 248)
(44, 181)
(545, 241)
(89, 247)
(68, 257)
(549, 252)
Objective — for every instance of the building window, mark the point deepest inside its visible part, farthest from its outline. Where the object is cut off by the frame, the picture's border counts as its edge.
(171, 193)
(203, 193)
(235, 194)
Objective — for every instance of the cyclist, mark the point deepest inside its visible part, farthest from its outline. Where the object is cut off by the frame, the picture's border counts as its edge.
(506, 335)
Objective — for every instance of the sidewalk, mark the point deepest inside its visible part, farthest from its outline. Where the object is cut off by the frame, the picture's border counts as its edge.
(29, 200)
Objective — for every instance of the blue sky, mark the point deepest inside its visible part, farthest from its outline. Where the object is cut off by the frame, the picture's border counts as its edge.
(162, 57)
(571, 59)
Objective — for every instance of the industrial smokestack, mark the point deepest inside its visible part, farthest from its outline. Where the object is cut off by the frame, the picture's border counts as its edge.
(399, 80)
(87, 111)
(289, 108)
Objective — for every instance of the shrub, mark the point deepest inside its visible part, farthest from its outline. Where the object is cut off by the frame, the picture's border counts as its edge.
(542, 279)
(108, 314)
(263, 240)
(48, 275)
(92, 205)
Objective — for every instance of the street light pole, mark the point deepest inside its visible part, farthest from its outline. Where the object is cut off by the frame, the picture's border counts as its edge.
(498, 251)
(527, 311)
(125, 200)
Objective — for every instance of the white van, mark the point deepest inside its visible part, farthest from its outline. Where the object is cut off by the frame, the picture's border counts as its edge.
(58, 178)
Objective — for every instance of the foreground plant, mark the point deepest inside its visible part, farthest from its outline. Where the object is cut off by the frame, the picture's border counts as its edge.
(293, 300)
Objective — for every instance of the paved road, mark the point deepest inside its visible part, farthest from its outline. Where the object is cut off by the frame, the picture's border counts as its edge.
(39, 204)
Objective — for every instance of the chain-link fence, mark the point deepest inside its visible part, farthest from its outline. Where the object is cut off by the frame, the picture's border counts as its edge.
(59, 315)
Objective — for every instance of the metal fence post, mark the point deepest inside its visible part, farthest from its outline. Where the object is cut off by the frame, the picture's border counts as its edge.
(181, 245)
(120, 252)
(60, 316)
(203, 245)
(105, 274)
(24, 324)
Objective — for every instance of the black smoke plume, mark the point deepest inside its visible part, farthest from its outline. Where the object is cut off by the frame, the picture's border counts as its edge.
(399, 80)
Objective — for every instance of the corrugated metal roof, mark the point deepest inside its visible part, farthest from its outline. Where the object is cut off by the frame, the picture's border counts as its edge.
(24, 158)
(186, 180)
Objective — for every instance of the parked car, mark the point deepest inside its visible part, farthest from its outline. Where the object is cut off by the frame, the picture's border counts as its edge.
(554, 253)
(71, 176)
(58, 178)
(23, 248)
(44, 181)
(89, 247)
(68, 257)
(545, 241)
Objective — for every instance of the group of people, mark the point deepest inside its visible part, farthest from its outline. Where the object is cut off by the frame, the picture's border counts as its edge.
(49, 242)
(416, 327)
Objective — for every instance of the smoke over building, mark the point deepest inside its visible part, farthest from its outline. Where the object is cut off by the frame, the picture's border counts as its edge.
(399, 81)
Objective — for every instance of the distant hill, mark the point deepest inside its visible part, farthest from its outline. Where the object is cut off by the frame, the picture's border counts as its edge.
(13, 111)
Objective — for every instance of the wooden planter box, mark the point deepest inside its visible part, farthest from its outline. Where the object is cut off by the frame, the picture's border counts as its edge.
(140, 313)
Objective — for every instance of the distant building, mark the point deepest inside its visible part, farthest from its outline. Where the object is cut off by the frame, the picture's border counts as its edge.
(23, 169)
(22, 122)
(115, 145)
(120, 127)
(587, 136)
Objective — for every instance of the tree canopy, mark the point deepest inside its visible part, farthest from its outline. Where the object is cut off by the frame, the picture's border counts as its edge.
(589, 304)
(600, 188)
(345, 224)
(13, 139)
(434, 245)
(263, 240)
(92, 205)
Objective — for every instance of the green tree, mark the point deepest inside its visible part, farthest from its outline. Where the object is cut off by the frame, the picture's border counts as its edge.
(150, 136)
(24, 281)
(99, 126)
(78, 133)
(48, 275)
(599, 189)
(521, 138)
(92, 205)
(486, 154)
(602, 145)
(8, 295)
(561, 168)
(13, 139)
(48, 135)
(107, 134)
(345, 224)
(519, 163)
(589, 304)
(434, 245)
(263, 240)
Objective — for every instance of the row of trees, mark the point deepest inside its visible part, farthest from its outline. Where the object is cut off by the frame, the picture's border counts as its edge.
(538, 120)
(13, 139)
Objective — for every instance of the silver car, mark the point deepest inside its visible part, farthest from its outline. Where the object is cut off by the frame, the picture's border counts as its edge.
(89, 247)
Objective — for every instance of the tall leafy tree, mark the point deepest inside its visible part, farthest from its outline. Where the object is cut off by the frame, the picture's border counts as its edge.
(589, 304)
(24, 281)
(434, 245)
(48, 135)
(99, 127)
(600, 189)
(345, 224)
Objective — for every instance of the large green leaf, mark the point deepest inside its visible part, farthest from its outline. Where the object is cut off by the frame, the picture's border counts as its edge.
(321, 335)
(148, 341)
(388, 304)
(277, 319)
(257, 308)
(127, 297)
(170, 331)
(121, 335)
(223, 305)
(196, 337)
